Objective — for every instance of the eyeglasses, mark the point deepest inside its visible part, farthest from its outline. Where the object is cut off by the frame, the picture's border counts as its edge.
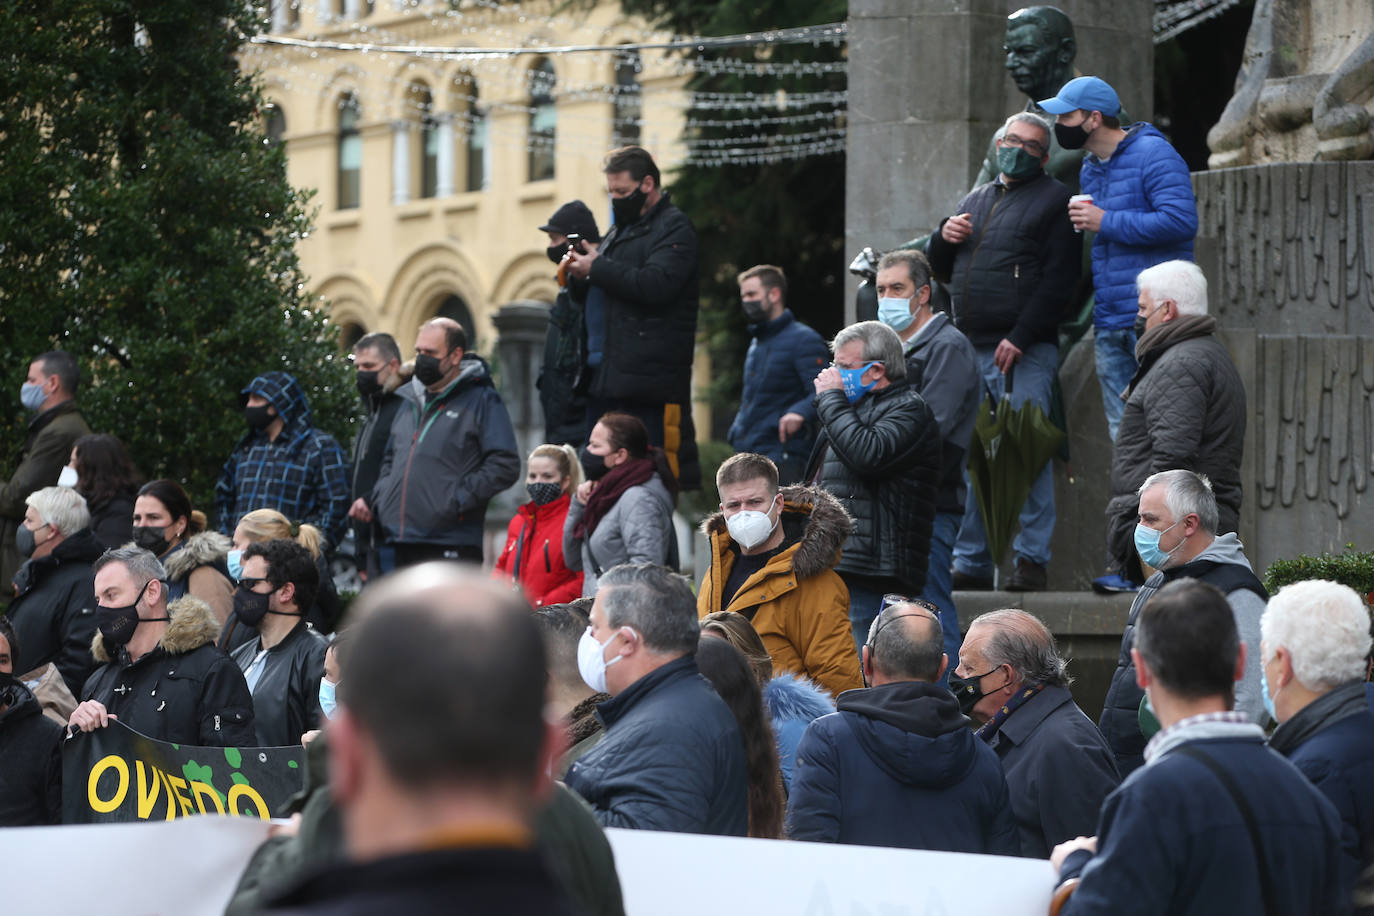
(247, 582)
(1035, 148)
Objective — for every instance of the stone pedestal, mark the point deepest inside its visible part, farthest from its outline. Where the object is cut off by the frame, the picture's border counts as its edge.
(518, 358)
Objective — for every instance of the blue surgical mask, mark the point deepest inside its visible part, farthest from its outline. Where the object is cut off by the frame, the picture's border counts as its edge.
(31, 396)
(235, 563)
(327, 702)
(1264, 695)
(895, 313)
(852, 379)
(1147, 545)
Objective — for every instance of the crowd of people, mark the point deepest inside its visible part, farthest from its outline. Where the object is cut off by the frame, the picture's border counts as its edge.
(469, 734)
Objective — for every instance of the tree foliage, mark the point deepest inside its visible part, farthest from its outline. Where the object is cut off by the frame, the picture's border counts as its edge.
(789, 213)
(147, 227)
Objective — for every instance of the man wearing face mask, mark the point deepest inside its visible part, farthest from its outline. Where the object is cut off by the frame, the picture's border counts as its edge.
(447, 457)
(1140, 206)
(284, 665)
(380, 383)
(562, 377)
(673, 758)
(49, 392)
(879, 455)
(1013, 264)
(641, 311)
(52, 610)
(160, 673)
(773, 554)
(1176, 534)
(283, 462)
(1185, 408)
(776, 415)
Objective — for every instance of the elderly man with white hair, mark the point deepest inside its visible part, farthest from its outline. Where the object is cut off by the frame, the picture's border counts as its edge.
(1314, 648)
(53, 610)
(1185, 408)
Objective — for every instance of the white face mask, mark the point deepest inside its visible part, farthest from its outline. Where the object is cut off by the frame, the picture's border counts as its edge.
(591, 660)
(68, 477)
(750, 528)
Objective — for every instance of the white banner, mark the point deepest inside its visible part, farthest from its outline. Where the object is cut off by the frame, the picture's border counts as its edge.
(678, 874)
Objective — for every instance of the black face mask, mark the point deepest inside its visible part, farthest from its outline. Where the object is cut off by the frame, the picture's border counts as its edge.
(543, 492)
(967, 691)
(556, 253)
(251, 606)
(593, 466)
(258, 417)
(367, 382)
(152, 538)
(1071, 137)
(117, 624)
(427, 369)
(626, 209)
(1139, 326)
(754, 310)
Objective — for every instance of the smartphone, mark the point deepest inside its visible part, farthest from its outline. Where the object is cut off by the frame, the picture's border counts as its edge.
(576, 242)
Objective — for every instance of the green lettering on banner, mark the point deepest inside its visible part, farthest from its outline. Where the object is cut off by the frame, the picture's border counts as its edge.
(116, 775)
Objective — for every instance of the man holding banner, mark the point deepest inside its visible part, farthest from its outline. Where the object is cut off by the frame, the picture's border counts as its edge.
(161, 674)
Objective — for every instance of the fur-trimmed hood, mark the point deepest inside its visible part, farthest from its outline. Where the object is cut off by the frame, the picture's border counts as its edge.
(193, 625)
(793, 696)
(204, 549)
(812, 519)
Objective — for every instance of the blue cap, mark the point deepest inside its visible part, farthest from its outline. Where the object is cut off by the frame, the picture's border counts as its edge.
(1086, 92)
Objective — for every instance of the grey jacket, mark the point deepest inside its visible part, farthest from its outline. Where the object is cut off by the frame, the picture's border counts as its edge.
(942, 367)
(638, 529)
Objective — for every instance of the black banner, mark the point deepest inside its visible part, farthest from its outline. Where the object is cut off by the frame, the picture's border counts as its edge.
(114, 774)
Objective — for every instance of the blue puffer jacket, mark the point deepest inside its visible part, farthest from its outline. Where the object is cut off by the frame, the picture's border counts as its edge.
(899, 766)
(783, 360)
(1151, 217)
(793, 702)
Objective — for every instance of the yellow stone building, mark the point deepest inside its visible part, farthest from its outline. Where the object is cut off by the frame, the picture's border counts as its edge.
(433, 169)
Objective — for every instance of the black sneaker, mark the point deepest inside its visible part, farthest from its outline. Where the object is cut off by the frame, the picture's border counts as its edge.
(966, 582)
(1029, 577)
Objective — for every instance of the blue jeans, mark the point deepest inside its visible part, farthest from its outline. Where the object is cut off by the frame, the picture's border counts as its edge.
(1033, 382)
(939, 584)
(864, 604)
(1114, 353)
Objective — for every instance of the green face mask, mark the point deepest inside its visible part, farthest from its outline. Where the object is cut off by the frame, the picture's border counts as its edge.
(1016, 163)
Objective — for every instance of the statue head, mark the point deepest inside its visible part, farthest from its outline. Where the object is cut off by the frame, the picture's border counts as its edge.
(1040, 50)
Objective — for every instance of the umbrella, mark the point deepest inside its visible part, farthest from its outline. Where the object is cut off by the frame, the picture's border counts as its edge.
(1010, 447)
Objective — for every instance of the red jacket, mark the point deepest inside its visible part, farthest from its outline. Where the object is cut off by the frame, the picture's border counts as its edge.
(534, 554)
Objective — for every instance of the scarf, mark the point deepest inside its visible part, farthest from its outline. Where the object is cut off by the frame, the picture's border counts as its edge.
(618, 479)
(990, 727)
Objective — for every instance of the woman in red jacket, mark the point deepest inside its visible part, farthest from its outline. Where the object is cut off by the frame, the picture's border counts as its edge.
(533, 557)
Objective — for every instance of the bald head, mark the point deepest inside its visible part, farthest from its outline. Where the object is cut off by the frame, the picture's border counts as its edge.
(455, 336)
(1020, 640)
(905, 643)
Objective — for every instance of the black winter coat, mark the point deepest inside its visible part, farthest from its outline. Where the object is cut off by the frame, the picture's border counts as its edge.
(562, 388)
(54, 613)
(672, 758)
(648, 274)
(1016, 275)
(286, 701)
(881, 459)
(185, 691)
(112, 521)
(30, 762)
(369, 448)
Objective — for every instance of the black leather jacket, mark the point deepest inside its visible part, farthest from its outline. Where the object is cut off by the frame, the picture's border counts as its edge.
(286, 700)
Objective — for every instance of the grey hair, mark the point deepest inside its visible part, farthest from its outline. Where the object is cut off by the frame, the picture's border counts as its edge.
(62, 507)
(383, 343)
(901, 650)
(142, 564)
(1034, 120)
(1182, 281)
(655, 602)
(917, 267)
(1188, 493)
(1023, 641)
(881, 343)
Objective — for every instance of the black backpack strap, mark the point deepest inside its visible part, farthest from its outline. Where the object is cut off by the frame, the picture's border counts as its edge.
(1247, 815)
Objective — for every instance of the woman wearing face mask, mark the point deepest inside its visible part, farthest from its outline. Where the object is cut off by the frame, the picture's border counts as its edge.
(100, 470)
(196, 559)
(623, 512)
(269, 525)
(533, 557)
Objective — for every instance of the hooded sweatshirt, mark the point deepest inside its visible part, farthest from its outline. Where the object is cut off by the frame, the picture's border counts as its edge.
(899, 766)
(302, 473)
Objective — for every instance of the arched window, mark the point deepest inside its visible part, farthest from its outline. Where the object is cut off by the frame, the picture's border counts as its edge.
(421, 105)
(274, 123)
(543, 121)
(350, 334)
(476, 126)
(454, 307)
(350, 153)
(628, 106)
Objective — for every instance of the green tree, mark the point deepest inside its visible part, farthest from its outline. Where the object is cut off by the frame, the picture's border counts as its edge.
(147, 227)
(789, 213)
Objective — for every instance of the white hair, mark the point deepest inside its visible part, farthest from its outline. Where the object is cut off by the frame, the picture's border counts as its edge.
(62, 507)
(1181, 281)
(1325, 626)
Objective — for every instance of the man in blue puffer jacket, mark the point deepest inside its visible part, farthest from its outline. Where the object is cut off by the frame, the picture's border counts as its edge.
(1142, 209)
